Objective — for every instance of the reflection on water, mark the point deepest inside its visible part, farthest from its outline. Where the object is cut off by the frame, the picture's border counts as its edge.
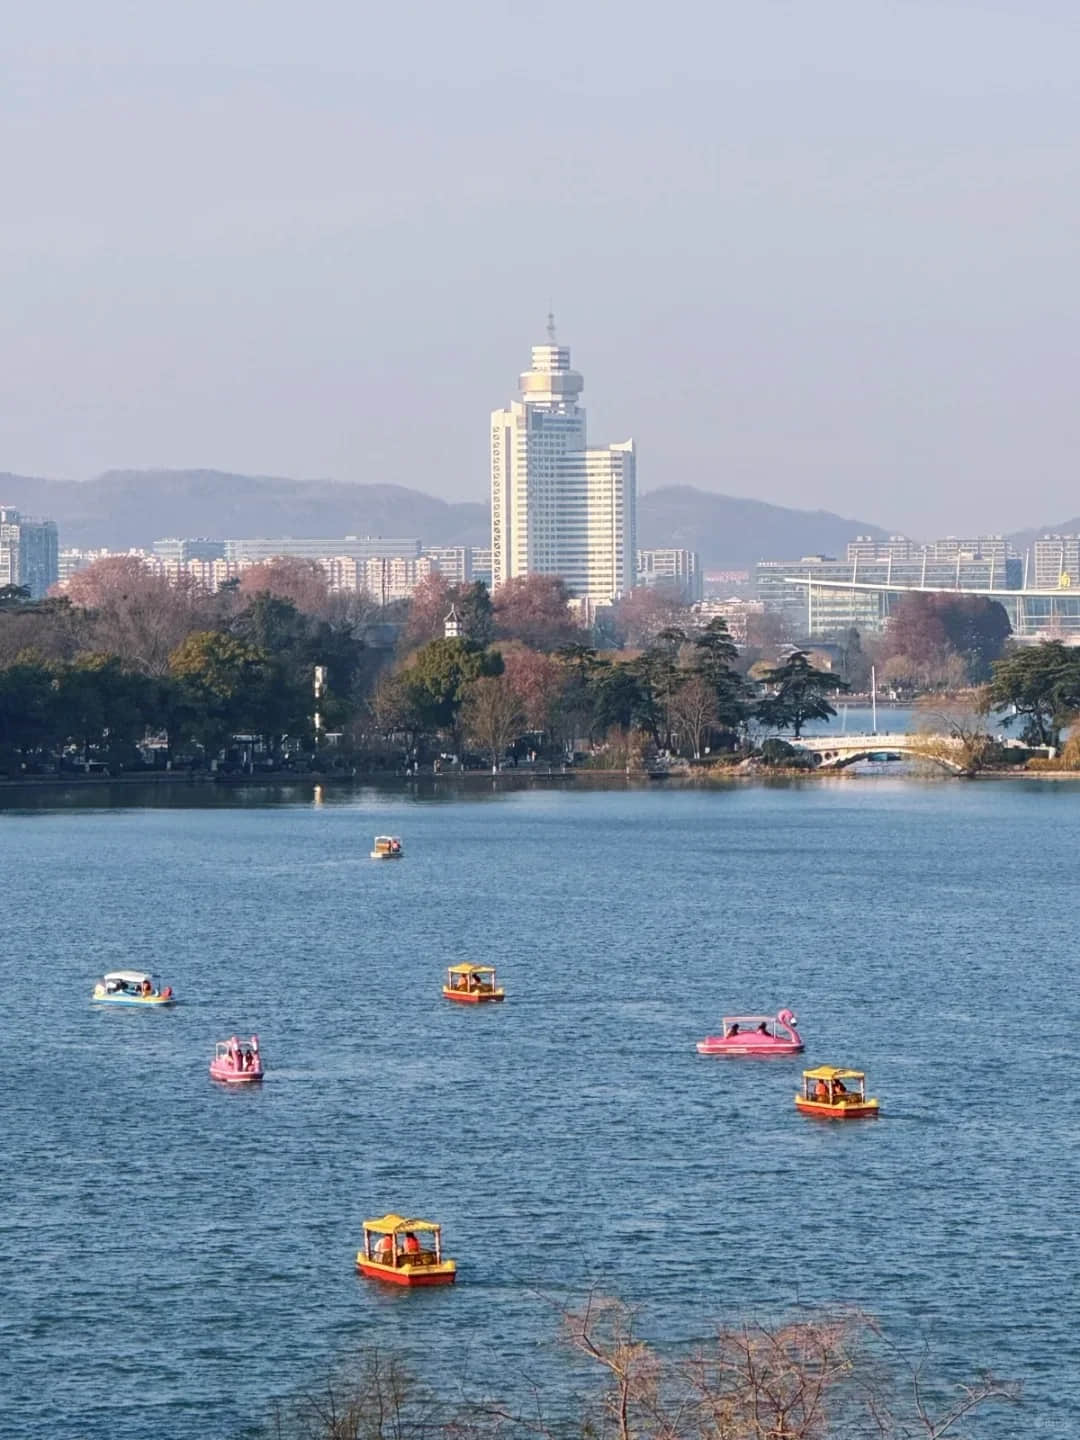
(175, 1255)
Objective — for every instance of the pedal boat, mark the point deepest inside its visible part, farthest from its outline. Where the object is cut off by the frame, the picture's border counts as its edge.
(400, 1257)
(755, 1035)
(237, 1062)
(131, 987)
(472, 984)
(387, 847)
(834, 1094)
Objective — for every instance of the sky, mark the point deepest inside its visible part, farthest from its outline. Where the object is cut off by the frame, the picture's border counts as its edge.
(815, 252)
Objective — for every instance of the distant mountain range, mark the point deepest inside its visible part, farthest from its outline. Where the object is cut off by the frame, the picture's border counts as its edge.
(133, 508)
(735, 534)
(126, 508)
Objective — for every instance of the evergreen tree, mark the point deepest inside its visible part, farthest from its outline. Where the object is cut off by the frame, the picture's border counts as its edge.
(799, 694)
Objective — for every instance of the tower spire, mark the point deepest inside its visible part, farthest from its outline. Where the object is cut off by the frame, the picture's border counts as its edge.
(551, 327)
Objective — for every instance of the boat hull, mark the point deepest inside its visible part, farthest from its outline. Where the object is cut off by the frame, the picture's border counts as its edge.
(228, 1076)
(472, 997)
(717, 1045)
(853, 1110)
(377, 855)
(414, 1276)
(150, 1000)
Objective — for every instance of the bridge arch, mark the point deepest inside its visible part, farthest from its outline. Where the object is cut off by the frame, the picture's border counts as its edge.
(840, 760)
(837, 752)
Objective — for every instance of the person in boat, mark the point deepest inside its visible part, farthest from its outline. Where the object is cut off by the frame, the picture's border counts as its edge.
(384, 1250)
(821, 1091)
(412, 1244)
(460, 982)
(839, 1088)
(763, 1028)
(732, 1030)
(146, 987)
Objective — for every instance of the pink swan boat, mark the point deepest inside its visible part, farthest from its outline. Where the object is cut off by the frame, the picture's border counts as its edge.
(755, 1035)
(237, 1062)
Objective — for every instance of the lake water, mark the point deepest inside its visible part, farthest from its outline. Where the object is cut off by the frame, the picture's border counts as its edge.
(173, 1255)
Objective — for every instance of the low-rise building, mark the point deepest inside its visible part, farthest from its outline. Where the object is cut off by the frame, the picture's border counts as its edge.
(71, 560)
(385, 578)
(481, 564)
(819, 596)
(453, 562)
(356, 547)
(735, 612)
(180, 551)
(1056, 562)
(681, 569)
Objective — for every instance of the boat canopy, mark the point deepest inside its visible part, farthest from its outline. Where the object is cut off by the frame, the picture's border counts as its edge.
(471, 970)
(748, 1019)
(128, 977)
(397, 1224)
(387, 840)
(830, 1072)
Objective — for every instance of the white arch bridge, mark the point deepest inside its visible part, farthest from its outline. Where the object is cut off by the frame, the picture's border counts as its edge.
(834, 752)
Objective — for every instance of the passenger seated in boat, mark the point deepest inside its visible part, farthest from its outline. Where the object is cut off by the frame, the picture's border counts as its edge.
(146, 987)
(384, 1250)
(839, 1088)
(412, 1244)
(821, 1091)
(731, 1031)
(460, 982)
(763, 1028)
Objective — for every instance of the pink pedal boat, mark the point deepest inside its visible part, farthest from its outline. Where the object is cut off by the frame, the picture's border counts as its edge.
(755, 1035)
(237, 1062)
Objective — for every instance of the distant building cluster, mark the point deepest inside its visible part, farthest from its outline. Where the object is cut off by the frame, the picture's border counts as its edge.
(563, 508)
(820, 597)
(386, 569)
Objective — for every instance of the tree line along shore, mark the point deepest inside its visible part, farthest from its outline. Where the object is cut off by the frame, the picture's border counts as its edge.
(131, 674)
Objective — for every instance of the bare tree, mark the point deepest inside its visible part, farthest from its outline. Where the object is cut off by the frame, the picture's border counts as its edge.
(289, 577)
(819, 1376)
(137, 615)
(694, 710)
(492, 715)
(953, 730)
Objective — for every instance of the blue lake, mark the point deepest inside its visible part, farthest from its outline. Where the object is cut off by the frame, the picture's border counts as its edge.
(173, 1256)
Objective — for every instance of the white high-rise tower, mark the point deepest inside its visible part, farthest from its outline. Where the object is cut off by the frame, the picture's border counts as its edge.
(557, 507)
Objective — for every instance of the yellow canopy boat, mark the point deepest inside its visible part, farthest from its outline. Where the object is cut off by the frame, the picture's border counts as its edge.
(400, 1257)
(471, 984)
(835, 1094)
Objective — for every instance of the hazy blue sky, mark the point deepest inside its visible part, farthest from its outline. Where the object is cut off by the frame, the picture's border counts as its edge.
(819, 252)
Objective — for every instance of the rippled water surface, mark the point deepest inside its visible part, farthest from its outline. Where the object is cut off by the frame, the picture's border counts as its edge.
(173, 1256)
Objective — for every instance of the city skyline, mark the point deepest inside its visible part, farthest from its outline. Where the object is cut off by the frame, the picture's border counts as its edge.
(834, 269)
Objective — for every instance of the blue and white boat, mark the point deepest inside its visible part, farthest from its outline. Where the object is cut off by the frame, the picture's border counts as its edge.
(131, 987)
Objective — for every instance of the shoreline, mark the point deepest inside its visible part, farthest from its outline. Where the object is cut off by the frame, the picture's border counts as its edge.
(507, 779)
